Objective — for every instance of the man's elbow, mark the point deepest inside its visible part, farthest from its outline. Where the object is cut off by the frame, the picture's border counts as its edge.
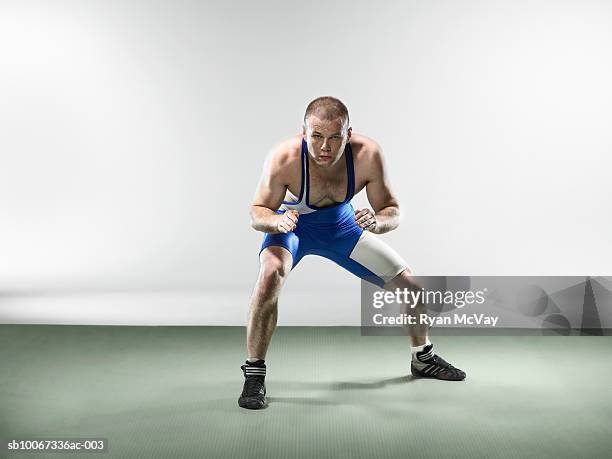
(259, 215)
(393, 210)
(389, 218)
(396, 216)
(253, 216)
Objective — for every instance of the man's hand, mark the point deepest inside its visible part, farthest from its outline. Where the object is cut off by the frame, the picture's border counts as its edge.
(365, 219)
(287, 221)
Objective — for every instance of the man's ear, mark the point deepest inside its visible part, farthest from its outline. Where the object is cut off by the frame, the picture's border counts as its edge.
(349, 132)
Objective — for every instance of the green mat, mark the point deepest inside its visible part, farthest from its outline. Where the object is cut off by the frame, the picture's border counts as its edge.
(171, 392)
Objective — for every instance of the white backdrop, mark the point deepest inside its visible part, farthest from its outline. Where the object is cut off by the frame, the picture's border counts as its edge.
(132, 135)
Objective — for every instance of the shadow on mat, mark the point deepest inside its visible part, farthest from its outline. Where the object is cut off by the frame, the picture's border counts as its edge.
(300, 401)
(347, 385)
(371, 385)
(340, 386)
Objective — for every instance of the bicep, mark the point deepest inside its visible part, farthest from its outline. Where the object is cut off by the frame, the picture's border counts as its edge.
(378, 188)
(271, 188)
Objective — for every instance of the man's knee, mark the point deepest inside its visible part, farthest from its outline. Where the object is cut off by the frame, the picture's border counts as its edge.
(405, 279)
(273, 273)
(274, 268)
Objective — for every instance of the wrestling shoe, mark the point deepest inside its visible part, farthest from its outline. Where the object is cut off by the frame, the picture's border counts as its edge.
(426, 364)
(253, 395)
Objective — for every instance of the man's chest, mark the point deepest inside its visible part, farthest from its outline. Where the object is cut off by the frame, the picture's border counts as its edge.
(325, 189)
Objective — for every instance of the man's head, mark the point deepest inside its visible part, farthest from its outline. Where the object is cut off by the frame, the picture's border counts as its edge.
(326, 130)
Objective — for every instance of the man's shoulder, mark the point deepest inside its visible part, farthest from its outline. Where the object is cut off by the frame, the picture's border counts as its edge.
(285, 154)
(365, 148)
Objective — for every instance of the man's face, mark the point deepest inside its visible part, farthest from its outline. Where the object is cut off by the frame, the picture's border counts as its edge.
(326, 140)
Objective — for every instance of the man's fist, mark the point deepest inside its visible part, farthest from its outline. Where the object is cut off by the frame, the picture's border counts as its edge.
(365, 219)
(287, 221)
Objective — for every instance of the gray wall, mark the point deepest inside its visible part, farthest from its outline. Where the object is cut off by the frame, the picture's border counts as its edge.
(132, 135)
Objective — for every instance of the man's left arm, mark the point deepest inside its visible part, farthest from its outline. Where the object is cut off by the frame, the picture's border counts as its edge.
(386, 214)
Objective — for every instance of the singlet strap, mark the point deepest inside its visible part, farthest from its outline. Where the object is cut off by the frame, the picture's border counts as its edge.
(304, 170)
(350, 172)
(304, 187)
(304, 180)
(305, 159)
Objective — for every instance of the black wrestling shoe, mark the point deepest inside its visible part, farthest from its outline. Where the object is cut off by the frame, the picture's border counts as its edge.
(253, 395)
(429, 365)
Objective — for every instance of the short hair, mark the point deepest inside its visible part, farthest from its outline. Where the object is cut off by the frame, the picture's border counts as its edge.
(327, 108)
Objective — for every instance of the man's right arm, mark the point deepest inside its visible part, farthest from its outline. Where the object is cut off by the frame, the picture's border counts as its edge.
(270, 194)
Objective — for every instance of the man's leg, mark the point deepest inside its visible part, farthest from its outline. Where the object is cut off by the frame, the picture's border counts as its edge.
(371, 256)
(416, 331)
(275, 265)
(425, 363)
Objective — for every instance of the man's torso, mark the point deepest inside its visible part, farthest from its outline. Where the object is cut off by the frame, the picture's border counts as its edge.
(325, 189)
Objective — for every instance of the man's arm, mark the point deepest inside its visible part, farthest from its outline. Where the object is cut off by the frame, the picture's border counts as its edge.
(269, 196)
(386, 215)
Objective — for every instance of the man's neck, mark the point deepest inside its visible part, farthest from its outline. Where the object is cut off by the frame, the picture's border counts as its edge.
(332, 170)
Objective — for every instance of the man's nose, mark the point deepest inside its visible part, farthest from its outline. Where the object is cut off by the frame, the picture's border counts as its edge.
(325, 146)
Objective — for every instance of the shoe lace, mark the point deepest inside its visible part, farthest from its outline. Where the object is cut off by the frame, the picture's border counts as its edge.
(444, 364)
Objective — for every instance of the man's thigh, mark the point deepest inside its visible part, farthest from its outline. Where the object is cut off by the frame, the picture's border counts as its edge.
(378, 257)
(368, 258)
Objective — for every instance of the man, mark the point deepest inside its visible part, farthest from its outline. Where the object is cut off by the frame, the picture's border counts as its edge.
(303, 204)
